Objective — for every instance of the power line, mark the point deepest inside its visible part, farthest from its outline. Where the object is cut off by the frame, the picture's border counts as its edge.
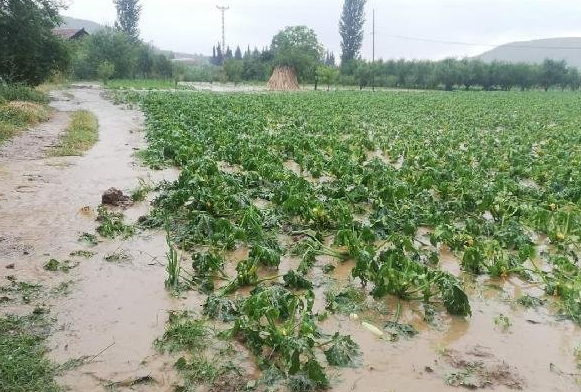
(477, 44)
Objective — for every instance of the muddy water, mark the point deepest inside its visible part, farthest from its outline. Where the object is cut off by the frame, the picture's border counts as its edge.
(535, 349)
(119, 307)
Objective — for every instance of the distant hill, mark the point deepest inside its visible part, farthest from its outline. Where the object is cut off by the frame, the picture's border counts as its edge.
(73, 23)
(536, 51)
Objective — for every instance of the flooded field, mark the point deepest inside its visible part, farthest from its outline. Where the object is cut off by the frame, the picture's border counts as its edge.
(307, 219)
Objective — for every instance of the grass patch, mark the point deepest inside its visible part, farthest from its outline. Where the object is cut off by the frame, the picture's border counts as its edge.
(55, 265)
(23, 366)
(26, 291)
(18, 92)
(140, 84)
(81, 134)
(203, 362)
(15, 116)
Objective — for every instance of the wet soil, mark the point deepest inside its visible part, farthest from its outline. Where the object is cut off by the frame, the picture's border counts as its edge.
(116, 309)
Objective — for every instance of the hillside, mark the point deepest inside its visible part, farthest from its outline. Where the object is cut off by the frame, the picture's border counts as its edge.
(74, 23)
(536, 51)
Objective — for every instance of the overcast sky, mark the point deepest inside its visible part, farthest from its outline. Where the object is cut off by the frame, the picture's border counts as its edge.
(193, 26)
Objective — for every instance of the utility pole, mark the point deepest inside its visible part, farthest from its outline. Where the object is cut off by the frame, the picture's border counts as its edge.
(223, 9)
(373, 56)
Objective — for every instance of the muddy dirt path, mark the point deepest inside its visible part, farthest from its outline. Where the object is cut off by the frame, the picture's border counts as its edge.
(119, 305)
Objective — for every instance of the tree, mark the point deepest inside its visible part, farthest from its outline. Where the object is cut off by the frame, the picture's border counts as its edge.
(29, 51)
(234, 70)
(145, 61)
(298, 48)
(553, 73)
(128, 12)
(363, 73)
(327, 75)
(106, 45)
(228, 55)
(238, 53)
(330, 59)
(219, 56)
(351, 29)
(573, 78)
(105, 71)
(448, 73)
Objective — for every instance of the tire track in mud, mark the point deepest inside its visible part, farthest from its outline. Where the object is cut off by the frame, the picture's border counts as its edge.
(115, 310)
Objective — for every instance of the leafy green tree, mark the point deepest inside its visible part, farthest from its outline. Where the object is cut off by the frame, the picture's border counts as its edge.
(106, 45)
(351, 29)
(573, 78)
(162, 66)
(448, 73)
(297, 47)
(327, 75)
(29, 51)
(363, 74)
(145, 61)
(128, 12)
(553, 72)
(228, 55)
(234, 70)
(238, 53)
(105, 71)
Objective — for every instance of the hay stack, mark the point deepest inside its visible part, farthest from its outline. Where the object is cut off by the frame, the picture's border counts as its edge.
(283, 78)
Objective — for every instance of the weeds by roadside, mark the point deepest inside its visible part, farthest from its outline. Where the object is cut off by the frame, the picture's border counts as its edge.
(112, 225)
(81, 134)
(23, 366)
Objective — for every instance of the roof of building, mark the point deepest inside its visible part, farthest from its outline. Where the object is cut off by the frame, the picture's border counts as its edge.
(70, 33)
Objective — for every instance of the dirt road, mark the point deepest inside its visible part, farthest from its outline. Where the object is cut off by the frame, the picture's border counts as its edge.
(45, 204)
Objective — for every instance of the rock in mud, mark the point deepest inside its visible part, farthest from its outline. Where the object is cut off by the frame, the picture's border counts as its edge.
(114, 197)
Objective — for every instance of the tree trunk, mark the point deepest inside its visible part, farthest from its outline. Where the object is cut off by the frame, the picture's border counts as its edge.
(283, 78)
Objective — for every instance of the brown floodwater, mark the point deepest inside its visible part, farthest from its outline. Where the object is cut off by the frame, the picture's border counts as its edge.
(115, 310)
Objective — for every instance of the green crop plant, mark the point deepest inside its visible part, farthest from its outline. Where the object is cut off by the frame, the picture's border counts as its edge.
(354, 179)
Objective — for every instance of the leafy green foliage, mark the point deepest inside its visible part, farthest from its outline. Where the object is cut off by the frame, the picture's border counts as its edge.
(111, 225)
(292, 180)
(54, 265)
(342, 351)
(30, 50)
(299, 48)
(277, 322)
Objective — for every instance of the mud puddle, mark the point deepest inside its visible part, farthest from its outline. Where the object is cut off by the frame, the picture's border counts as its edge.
(114, 309)
(502, 347)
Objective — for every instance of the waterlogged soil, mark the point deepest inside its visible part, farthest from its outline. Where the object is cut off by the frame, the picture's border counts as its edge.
(114, 310)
